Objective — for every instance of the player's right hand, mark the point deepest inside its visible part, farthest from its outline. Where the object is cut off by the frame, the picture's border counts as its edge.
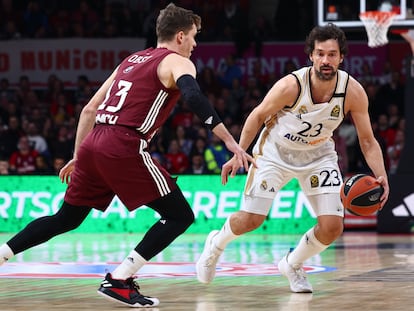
(66, 171)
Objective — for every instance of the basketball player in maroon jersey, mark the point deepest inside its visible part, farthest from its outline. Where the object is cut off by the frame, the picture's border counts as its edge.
(111, 152)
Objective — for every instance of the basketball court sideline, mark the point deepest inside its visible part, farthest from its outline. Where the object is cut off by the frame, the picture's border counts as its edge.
(362, 270)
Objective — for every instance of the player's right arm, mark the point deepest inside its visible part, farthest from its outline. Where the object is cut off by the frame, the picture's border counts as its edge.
(283, 93)
(86, 124)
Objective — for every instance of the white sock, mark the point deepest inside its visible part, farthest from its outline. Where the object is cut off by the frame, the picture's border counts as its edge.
(308, 246)
(225, 236)
(5, 253)
(131, 264)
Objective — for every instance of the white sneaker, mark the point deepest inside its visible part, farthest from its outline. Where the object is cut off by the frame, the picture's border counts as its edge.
(296, 276)
(206, 264)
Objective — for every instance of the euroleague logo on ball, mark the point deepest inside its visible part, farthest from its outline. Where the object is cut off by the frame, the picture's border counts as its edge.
(361, 195)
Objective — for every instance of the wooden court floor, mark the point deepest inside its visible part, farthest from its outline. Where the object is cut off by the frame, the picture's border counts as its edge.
(361, 271)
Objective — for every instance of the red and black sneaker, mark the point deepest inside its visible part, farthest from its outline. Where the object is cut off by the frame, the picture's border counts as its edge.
(125, 292)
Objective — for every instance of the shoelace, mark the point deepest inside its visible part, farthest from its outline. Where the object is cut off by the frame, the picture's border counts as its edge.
(300, 273)
(133, 284)
(211, 259)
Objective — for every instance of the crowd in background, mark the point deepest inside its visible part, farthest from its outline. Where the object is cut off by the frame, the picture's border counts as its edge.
(38, 126)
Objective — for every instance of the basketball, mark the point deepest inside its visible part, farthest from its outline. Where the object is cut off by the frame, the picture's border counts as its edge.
(361, 194)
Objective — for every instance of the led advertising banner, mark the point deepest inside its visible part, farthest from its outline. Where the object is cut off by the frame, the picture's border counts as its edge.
(24, 198)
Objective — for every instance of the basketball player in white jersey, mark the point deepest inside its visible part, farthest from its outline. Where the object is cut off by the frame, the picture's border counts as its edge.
(299, 114)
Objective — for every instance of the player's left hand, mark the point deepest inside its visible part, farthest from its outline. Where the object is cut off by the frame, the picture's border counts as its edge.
(66, 171)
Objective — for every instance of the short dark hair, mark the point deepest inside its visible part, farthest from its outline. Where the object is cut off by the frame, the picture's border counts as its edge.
(324, 33)
(173, 19)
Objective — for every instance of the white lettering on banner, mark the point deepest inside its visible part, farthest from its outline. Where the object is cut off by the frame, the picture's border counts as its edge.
(5, 204)
(287, 204)
(21, 198)
(226, 201)
(67, 58)
(43, 206)
(277, 64)
(204, 202)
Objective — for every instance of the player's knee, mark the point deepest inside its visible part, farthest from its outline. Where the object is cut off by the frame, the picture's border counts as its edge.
(332, 229)
(243, 222)
(188, 217)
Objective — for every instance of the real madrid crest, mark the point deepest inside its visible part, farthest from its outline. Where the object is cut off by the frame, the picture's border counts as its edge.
(263, 185)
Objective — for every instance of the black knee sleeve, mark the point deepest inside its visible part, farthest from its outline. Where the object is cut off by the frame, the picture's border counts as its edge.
(176, 216)
(42, 229)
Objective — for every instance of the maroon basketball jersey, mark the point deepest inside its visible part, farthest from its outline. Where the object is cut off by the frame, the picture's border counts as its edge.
(136, 97)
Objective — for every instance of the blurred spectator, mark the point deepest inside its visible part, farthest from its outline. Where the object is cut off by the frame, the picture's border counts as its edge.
(181, 116)
(85, 20)
(36, 24)
(61, 109)
(392, 92)
(233, 25)
(60, 23)
(37, 141)
(229, 71)
(4, 166)
(208, 81)
(10, 16)
(177, 160)
(384, 130)
(215, 155)
(348, 133)
(341, 149)
(9, 137)
(394, 115)
(150, 23)
(394, 151)
(6, 93)
(197, 165)
(260, 32)
(366, 76)
(84, 91)
(293, 19)
(58, 162)
(42, 166)
(23, 161)
(386, 75)
(62, 144)
(184, 142)
(288, 67)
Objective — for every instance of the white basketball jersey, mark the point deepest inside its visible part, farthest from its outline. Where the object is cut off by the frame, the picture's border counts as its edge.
(307, 125)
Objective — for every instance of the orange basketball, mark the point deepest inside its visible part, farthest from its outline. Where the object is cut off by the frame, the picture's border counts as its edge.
(361, 194)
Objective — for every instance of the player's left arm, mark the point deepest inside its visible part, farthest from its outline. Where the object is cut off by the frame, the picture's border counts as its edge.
(356, 103)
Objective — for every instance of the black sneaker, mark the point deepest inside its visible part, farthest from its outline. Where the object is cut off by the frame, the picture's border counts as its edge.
(125, 292)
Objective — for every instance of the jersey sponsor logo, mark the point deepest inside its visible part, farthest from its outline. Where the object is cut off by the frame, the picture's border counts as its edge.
(295, 138)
